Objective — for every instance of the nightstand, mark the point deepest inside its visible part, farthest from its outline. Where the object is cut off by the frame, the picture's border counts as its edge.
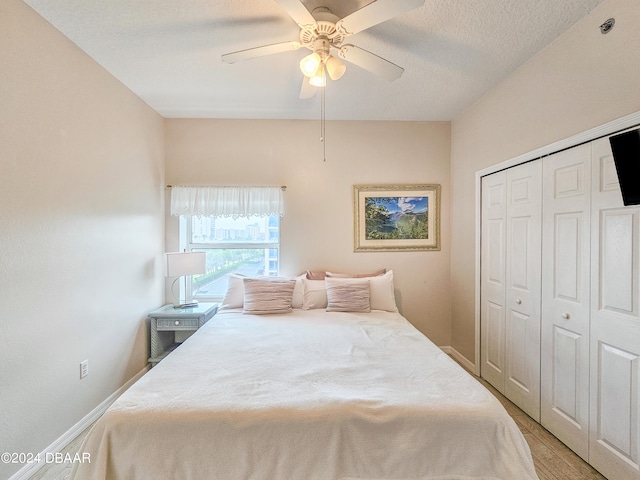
(171, 326)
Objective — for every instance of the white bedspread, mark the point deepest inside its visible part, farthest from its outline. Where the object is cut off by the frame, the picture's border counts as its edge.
(305, 396)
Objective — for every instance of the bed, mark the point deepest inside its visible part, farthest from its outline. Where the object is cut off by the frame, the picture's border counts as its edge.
(306, 394)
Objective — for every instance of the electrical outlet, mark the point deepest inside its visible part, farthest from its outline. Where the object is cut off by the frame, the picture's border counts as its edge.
(84, 368)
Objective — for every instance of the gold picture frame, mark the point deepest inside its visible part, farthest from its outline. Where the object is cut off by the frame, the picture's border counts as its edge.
(396, 217)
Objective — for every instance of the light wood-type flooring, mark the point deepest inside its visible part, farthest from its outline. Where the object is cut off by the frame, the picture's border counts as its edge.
(553, 460)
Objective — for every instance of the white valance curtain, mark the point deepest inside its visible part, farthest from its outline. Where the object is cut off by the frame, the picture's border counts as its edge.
(227, 201)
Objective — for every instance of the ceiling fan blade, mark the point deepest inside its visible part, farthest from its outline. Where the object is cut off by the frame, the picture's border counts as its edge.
(298, 12)
(371, 62)
(250, 53)
(375, 13)
(307, 90)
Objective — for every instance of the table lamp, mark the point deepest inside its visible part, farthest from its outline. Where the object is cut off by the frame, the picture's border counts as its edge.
(183, 264)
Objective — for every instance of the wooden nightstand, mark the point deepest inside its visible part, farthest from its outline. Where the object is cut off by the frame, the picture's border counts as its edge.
(171, 326)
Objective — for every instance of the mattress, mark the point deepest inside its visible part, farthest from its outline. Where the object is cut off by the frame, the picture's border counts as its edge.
(306, 395)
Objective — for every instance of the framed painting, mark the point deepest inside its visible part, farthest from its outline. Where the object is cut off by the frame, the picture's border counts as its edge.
(396, 217)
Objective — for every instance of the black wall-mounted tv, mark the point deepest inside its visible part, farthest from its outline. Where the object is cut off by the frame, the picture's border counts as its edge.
(626, 154)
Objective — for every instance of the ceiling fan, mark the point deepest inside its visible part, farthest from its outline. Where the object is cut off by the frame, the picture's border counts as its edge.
(323, 33)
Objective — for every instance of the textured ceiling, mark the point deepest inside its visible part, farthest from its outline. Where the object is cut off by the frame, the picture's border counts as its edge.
(168, 52)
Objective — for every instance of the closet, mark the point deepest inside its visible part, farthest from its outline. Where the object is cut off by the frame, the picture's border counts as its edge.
(560, 301)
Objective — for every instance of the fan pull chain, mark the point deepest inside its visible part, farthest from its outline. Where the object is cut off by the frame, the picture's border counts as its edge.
(323, 129)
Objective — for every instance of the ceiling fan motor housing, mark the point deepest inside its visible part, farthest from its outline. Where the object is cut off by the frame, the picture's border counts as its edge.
(325, 34)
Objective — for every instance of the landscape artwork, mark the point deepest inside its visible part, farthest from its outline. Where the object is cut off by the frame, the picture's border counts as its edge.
(396, 217)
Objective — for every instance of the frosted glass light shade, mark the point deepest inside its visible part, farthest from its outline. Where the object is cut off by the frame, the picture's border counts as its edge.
(319, 79)
(185, 263)
(309, 64)
(335, 68)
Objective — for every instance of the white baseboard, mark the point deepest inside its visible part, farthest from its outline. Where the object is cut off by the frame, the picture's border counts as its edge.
(58, 445)
(462, 360)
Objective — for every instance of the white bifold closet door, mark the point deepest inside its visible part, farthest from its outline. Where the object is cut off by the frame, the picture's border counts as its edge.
(566, 258)
(492, 283)
(614, 443)
(560, 302)
(510, 295)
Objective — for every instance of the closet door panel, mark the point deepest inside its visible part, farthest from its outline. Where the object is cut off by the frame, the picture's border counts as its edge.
(523, 224)
(569, 229)
(520, 253)
(494, 360)
(565, 386)
(492, 294)
(617, 292)
(614, 443)
(565, 297)
(518, 372)
(617, 425)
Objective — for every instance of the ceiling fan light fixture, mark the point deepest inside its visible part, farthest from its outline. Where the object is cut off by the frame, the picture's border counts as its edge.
(319, 79)
(335, 68)
(310, 64)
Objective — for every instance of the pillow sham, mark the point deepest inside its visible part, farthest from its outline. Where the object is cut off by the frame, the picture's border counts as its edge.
(298, 292)
(311, 275)
(234, 296)
(347, 295)
(267, 296)
(381, 291)
(315, 294)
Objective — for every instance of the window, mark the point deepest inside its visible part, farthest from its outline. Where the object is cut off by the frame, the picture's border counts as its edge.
(247, 245)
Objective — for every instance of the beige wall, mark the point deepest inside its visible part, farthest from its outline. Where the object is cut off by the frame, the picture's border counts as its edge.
(317, 230)
(82, 215)
(81, 231)
(582, 80)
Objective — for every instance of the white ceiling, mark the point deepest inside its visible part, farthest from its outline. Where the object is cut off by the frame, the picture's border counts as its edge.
(168, 52)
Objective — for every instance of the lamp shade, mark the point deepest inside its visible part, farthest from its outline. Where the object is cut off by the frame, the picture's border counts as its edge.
(319, 79)
(185, 263)
(309, 64)
(335, 68)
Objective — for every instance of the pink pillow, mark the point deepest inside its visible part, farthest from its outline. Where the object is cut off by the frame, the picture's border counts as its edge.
(348, 295)
(262, 296)
(315, 275)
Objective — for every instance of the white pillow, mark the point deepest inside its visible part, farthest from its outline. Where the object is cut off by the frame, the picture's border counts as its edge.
(262, 296)
(381, 292)
(315, 294)
(234, 296)
(348, 295)
(298, 292)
